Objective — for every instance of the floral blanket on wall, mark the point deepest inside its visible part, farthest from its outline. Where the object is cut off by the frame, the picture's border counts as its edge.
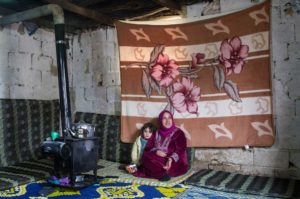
(212, 74)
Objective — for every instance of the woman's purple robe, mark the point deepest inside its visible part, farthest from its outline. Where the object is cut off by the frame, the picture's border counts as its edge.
(174, 144)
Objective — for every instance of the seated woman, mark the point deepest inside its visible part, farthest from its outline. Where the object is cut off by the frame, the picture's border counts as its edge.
(165, 154)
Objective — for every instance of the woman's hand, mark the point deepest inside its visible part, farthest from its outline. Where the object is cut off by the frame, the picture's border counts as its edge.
(161, 153)
(168, 164)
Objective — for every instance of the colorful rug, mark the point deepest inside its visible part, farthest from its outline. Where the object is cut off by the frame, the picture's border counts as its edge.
(204, 193)
(245, 184)
(104, 190)
(111, 171)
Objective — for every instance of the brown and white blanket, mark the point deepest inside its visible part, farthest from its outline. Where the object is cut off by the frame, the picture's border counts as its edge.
(213, 74)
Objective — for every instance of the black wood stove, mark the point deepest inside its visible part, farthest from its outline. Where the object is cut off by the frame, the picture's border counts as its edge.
(76, 152)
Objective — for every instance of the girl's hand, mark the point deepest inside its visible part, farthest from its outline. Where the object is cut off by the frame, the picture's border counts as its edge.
(131, 168)
(161, 153)
(168, 164)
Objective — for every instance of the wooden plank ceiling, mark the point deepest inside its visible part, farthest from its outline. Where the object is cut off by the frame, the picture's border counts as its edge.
(90, 14)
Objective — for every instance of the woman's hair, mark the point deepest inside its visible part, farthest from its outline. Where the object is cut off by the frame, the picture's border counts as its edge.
(150, 126)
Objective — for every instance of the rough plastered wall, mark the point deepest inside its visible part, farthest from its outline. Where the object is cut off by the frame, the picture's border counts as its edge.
(28, 68)
(283, 158)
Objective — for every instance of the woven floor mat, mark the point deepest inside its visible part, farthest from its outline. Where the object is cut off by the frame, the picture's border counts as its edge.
(245, 184)
(25, 172)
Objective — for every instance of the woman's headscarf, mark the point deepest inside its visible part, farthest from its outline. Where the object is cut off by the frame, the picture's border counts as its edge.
(163, 130)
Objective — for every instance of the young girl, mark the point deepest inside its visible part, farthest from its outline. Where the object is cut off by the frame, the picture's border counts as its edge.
(138, 147)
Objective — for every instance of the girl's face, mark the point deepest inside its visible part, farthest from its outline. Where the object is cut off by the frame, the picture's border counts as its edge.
(147, 133)
(167, 121)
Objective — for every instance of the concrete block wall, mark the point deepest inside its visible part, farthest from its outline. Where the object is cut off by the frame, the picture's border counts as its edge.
(96, 77)
(28, 68)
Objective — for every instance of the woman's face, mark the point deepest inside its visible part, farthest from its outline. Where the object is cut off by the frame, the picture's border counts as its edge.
(147, 133)
(167, 121)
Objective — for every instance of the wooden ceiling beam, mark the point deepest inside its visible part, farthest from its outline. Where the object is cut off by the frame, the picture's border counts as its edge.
(6, 11)
(71, 26)
(89, 2)
(169, 4)
(103, 19)
(149, 14)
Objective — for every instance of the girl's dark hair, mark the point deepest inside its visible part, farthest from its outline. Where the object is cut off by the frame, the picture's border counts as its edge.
(150, 126)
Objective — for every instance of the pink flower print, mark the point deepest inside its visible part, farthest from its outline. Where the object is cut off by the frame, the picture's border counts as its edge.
(233, 54)
(186, 96)
(164, 70)
(197, 58)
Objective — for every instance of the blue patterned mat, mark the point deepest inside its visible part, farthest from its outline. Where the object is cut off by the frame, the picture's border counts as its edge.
(104, 190)
(116, 190)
